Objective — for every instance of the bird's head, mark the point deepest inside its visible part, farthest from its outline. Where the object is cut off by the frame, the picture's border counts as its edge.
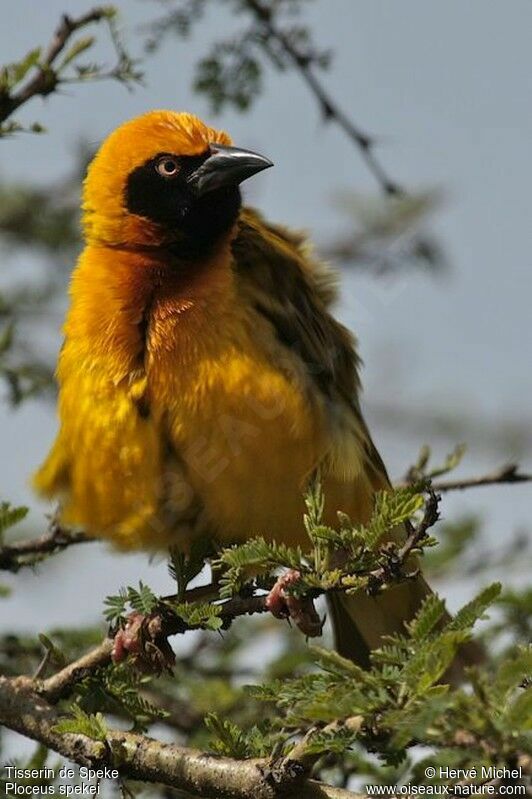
(166, 179)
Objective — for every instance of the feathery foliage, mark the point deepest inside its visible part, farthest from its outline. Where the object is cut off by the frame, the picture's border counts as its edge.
(10, 516)
(93, 726)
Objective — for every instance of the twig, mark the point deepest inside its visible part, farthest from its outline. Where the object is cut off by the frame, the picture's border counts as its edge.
(155, 644)
(329, 108)
(506, 474)
(298, 763)
(46, 78)
(61, 683)
(393, 568)
(142, 758)
(162, 623)
(28, 553)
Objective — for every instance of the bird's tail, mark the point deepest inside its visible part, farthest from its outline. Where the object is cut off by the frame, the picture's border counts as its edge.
(360, 622)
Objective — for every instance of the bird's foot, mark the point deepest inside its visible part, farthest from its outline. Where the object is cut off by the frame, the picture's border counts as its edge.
(284, 605)
(142, 638)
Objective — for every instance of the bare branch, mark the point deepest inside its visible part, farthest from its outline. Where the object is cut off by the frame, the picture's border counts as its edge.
(61, 684)
(142, 758)
(46, 77)
(330, 110)
(506, 474)
(28, 553)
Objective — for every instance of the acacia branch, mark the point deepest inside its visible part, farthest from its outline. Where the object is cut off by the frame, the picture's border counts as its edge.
(330, 110)
(506, 474)
(301, 759)
(393, 568)
(46, 78)
(28, 553)
(142, 758)
(156, 629)
(61, 684)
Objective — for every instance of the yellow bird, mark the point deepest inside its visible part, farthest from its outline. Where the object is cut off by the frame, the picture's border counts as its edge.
(203, 378)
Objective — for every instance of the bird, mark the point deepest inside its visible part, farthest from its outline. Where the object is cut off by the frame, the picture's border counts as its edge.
(203, 379)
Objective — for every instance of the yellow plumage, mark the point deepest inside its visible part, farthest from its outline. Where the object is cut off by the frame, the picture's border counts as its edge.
(198, 395)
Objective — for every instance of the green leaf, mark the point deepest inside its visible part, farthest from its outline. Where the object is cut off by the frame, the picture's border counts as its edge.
(184, 568)
(10, 515)
(315, 504)
(518, 717)
(57, 656)
(227, 738)
(253, 558)
(427, 617)
(392, 508)
(411, 722)
(334, 663)
(79, 47)
(451, 461)
(118, 687)
(13, 73)
(199, 614)
(6, 337)
(431, 661)
(116, 606)
(514, 671)
(331, 741)
(110, 11)
(81, 723)
(422, 459)
(474, 610)
(142, 600)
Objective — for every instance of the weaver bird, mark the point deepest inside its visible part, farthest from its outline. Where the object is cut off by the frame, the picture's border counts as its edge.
(203, 379)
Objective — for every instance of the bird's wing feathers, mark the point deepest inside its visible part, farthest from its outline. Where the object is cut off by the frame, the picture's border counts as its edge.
(278, 274)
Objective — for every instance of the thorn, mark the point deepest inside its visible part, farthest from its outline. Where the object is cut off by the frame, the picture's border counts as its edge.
(364, 142)
(393, 189)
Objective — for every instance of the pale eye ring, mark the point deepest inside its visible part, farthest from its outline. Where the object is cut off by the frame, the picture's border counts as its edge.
(167, 167)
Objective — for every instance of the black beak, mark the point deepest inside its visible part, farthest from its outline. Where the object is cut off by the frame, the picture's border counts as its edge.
(226, 166)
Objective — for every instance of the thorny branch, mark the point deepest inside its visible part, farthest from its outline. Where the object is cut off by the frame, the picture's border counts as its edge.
(330, 110)
(27, 707)
(155, 646)
(398, 558)
(46, 79)
(155, 629)
(139, 757)
(301, 759)
(28, 553)
(506, 474)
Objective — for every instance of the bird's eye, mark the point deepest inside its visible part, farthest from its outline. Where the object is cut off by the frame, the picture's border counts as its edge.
(167, 167)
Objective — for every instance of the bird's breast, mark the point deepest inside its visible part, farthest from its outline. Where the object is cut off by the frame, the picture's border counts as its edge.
(242, 425)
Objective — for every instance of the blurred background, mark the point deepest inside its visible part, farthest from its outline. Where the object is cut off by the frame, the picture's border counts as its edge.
(437, 283)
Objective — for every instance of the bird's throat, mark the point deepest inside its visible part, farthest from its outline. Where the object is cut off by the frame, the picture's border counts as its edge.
(130, 307)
